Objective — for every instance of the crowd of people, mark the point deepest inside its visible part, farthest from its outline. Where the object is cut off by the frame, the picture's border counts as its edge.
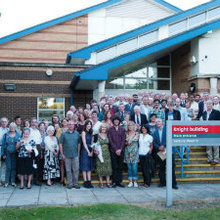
(101, 137)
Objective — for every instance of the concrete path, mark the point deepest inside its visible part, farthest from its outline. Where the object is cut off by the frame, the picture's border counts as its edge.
(59, 195)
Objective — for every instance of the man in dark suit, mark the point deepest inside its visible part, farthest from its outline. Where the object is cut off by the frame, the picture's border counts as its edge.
(138, 118)
(208, 115)
(202, 105)
(159, 143)
(171, 113)
(121, 111)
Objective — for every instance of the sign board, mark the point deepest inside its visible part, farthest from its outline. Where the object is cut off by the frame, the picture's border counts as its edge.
(188, 133)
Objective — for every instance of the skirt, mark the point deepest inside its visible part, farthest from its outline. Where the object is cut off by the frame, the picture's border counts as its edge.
(25, 166)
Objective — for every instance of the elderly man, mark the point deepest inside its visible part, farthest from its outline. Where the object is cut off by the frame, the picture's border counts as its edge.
(202, 105)
(138, 118)
(208, 115)
(3, 130)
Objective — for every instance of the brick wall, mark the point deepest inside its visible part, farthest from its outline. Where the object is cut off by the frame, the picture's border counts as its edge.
(31, 83)
(181, 69)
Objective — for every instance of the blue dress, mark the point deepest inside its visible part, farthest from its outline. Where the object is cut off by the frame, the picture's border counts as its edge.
(86, 162)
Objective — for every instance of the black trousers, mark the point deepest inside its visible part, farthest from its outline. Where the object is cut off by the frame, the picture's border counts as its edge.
(117, 167)
(38, 173)
(162, 171)
(145, 162)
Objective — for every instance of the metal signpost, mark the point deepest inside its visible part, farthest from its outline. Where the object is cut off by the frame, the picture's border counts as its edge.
(191, 133)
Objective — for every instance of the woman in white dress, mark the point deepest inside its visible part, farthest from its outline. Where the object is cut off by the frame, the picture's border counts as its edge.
(51, 161)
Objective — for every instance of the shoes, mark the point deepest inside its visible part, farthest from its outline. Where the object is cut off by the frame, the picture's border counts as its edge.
(175, 187)
(114, 185)
(135, 185)
(76, 186)
(120, 185)
(21, 187)
(109, 185)
(86, 184)
(214, 163)
(69, 187)
(29, 187)
(145, 185)
(161, 185)
(130, 185)
(90, 184)
(14, 184)
(6, 185)
(101, 185)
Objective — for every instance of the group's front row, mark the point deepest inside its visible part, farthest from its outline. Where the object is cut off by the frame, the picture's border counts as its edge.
(104, 150)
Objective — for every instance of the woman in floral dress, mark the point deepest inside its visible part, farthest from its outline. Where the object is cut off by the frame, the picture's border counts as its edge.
(105, 168)
(131, 153)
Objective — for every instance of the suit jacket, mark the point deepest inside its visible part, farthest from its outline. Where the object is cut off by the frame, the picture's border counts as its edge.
(176, 114)
(156, 142)
(120, 115)
(143, 119)
(214, 115)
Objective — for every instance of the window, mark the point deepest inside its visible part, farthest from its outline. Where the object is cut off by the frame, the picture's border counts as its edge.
(46, 107)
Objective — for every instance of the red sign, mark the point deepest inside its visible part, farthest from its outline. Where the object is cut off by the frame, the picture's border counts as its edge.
(195, 129)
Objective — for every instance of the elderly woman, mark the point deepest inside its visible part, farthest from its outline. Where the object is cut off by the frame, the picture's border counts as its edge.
(131, 153)
(104, 169)
(27, 148)
(51, 162)
(9, 142)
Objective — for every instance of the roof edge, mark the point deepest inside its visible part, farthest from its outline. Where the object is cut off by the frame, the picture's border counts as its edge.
(168, 5)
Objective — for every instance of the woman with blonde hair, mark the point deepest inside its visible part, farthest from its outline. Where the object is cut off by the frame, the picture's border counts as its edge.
(131, 153)
(104, 168)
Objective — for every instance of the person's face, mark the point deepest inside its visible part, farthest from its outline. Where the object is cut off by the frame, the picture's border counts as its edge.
(170, 108)
(163, 104)
(188, 104)
(209, 106)
(88, 106)
(109, 115)
(150, 102)
(130, 100)
(111, 101)
(103, 130)
(95, 107)
(159, 123)
(178, 102)
(94, 116)
(4, 123)
(12, 129)
(106, 108)
(26, 124)
(34, 123)
(121, 98)
(71, 125)
(182, 96)
(191, 98)
(81, 117)
(216, 100)
(121, 108)
(145, 101)
(55, 120)
(197, 98)
(205, 97)
(127, 117)
(153, 118)
(88, 126)
(42, 127)
(116, 122)
(26, 134)
(136, 111)
(18, 121)
(144, 130)
(174, 96)
(163, 95)
(65, 123)
(135, 98)
(72, 108)
(50, 132)
(130, 127)
(156, 104)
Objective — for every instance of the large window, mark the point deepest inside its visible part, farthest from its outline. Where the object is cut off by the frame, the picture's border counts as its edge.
(48, 106)
(155, 76)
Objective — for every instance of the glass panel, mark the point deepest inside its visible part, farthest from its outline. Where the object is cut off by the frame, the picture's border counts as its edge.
(115, 83)
(142, 73)
(163, 72)
(152, 70)
(159, 84)
(196, 20)
(178, 27)
(214, 13)
(136, 83)
(49, 106)
(127, 46)
(164, 61)
(106, 54)
(148, 38)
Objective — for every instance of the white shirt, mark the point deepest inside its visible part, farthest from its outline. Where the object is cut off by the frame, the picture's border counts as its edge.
(96, 127)
(144, 110)
(139, 118)
(35, 136)
(144, 143)
(2, 132)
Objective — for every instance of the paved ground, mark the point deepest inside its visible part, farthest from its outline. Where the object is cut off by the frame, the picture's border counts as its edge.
(59, 195)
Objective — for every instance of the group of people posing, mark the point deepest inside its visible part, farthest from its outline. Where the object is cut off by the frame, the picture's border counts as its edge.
(103, 138)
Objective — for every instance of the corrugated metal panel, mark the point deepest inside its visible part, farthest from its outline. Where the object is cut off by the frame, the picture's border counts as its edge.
(138, 9)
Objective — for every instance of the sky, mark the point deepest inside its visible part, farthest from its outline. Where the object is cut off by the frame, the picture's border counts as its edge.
(17, 15)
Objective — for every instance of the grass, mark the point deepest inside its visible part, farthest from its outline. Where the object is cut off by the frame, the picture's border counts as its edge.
(106, 211)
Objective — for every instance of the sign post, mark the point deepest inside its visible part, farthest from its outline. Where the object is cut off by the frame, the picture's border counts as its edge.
(190, 133)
